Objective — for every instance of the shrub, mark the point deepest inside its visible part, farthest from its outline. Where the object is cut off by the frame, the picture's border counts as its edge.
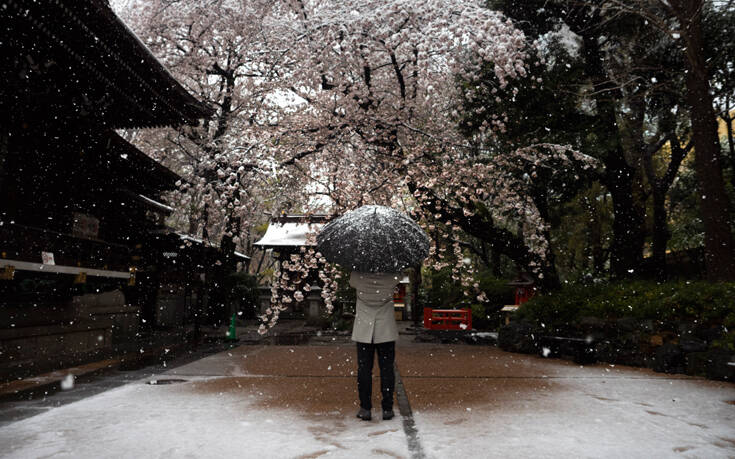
(498, 292)
(485, 317)
(702, 303)
(242, 292)
(439, 290)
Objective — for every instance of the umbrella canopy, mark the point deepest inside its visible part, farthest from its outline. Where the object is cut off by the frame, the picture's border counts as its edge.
(373, 239)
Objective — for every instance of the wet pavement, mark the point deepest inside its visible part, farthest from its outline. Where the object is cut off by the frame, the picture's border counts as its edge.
(261, 400)
(39, 401)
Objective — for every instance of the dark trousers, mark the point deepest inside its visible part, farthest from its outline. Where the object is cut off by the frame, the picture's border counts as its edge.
(365, 358)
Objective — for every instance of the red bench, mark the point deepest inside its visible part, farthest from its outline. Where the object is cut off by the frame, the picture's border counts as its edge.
(447, 319)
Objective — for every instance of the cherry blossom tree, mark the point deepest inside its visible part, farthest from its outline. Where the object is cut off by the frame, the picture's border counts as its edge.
(332, 105)
(379, 94)
(229, 54)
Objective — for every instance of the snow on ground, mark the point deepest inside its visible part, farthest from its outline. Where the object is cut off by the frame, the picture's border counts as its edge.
(585, 414)
(468, 401)
(173, 421)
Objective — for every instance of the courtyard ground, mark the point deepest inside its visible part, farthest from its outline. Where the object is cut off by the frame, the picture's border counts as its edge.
(455, 401)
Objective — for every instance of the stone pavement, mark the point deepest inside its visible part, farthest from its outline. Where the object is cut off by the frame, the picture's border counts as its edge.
(261, 400)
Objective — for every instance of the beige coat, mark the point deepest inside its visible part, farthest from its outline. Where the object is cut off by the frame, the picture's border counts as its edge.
(375, 321)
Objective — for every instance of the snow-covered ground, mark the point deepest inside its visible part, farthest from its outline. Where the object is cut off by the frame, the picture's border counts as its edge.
(468, 401)
(589, 417)
(174, 421)
(496, 404)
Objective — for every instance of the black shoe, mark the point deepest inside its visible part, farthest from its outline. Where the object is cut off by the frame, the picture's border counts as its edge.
(388, 414)
(364, 414)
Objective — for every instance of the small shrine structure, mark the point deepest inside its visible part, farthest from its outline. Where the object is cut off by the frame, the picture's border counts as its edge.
(286, 235)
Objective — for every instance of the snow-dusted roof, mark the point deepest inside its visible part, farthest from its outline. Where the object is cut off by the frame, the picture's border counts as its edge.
(189, 237)
(288, 234)
(156, 204)
(241, 255)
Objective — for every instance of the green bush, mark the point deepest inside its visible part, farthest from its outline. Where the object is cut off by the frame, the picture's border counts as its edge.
(485, 317)
(439, 290)
(498, 292)
(242, 291)
(699, 303)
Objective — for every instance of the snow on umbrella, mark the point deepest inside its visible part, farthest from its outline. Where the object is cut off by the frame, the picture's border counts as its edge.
(373, 239)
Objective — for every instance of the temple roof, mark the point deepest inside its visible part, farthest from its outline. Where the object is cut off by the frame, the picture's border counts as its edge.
(71, 59)
(137, 169)
(291, 231)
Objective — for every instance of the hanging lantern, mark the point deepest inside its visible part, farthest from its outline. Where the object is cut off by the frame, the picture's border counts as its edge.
(81, 278)
(8, 273)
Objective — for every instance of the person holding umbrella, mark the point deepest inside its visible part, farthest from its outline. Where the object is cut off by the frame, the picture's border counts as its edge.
(375, 243)
(375, 330)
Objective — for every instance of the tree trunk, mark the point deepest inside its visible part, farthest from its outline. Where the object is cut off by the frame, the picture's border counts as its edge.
(495, 262)
(550, 277)
(4, 153)
(660, 236)
(730, 143)
(714, 204)
(626, 249)
(594, 239)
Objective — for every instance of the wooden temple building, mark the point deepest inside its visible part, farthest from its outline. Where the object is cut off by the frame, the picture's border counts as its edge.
(85, 258)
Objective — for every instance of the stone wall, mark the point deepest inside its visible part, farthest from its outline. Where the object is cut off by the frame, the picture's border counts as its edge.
(109, 307)
(33, 350)
(171, 306)
(86, 328)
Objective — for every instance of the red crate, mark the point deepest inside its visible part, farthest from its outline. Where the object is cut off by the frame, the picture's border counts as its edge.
(447, 319)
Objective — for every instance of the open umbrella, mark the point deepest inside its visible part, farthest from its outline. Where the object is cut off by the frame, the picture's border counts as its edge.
(373, 239)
